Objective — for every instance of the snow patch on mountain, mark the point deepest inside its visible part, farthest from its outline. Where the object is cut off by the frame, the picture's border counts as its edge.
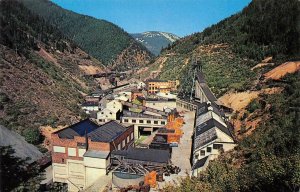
(170, 36)
(154, 41)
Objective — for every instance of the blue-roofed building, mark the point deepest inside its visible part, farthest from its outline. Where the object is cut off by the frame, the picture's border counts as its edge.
(81, 152)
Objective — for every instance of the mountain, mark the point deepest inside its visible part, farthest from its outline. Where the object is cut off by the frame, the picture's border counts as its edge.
(253, 57)
(155, 41)
(42, 73)
(101, 39)
(227, 50)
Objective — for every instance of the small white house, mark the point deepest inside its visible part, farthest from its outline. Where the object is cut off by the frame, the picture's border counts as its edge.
(114, 105)
(107, 115)
(90, 106)
(112, 111)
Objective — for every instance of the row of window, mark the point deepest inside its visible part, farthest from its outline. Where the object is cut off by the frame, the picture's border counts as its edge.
(127, 140)
(144, 121)
(209, 149)
(72, 152)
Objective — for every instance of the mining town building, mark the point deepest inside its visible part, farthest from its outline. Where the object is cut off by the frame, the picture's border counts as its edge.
(81, 152)
(133, 164)
(144, 124)
(155, 85)
(212, 135)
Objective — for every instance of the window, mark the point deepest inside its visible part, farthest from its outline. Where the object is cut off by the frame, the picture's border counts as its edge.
(217, 146)
(81, 152)
(119, 147)
(141, 121)
(62, 160)
(72, 152)
(202, 152)
(163, 123)
(123, 143)
(58, 149)
(148, 121)
(128, 139)
(208, 149)
(196, 156)
(126, 120)
(133, 121)
(156, 122)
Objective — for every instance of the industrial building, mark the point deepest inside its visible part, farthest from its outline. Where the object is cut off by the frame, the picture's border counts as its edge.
(132, 165)
(155, 85)
(212, 134)
(81, 152)
(144, 124)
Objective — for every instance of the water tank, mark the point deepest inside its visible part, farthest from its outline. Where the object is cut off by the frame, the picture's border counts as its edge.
(124, 179)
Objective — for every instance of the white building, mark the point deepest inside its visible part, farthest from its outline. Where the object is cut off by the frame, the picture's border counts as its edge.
(211, 138)
(90, 106)
(112, 111)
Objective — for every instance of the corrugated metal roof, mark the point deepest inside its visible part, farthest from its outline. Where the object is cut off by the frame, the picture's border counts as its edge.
(96, 154)
(107, 132)
(78, 129)
(104, 133)
(200, 78)
(203, 108)
(211, 124)
(142, 154)
(210, 96)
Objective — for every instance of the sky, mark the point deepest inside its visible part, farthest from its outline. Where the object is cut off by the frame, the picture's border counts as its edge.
(180, 17)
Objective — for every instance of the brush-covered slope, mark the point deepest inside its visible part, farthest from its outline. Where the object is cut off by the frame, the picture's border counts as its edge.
(101, 39)
(155, 41)
(268, 158)
(230, 48)
(41, 73)
(267, 155)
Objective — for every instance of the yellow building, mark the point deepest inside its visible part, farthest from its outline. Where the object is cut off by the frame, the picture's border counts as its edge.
(155, 86)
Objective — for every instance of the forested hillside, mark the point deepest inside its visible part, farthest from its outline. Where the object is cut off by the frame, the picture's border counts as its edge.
(227, 50)
(267, 156)
(41, 77)
(101, 39)
(266, 160)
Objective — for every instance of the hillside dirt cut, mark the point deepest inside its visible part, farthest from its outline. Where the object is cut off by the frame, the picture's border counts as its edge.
(282, 70)
(238, 101)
